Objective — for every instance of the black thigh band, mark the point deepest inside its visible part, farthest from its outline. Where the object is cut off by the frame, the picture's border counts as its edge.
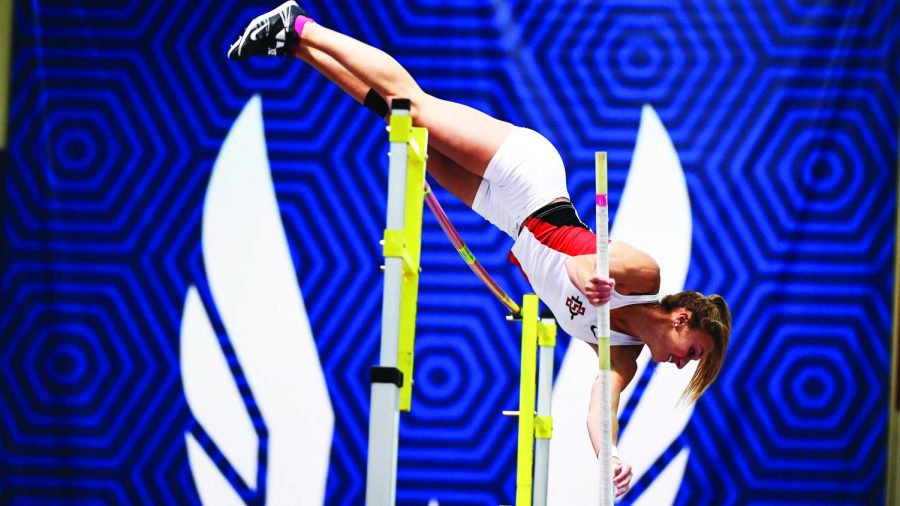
(375, 103)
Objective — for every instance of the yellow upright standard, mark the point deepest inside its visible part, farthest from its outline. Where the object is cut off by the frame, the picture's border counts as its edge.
(407, 243)
(392, 378)
(525, 447)
(531, 476)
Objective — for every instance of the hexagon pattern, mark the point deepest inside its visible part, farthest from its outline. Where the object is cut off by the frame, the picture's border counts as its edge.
(785, 118)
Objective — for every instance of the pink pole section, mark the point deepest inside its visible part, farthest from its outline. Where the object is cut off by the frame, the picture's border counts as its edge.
(464, 252)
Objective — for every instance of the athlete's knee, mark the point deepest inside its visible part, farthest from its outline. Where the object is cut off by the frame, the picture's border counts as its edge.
(418, 99)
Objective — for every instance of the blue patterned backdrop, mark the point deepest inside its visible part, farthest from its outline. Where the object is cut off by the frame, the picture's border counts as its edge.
(784, 115)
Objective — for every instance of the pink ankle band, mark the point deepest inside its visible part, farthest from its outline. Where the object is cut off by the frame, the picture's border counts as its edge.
(299, 23)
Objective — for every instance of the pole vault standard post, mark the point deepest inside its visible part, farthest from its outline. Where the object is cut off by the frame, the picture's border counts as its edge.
(543, 422)
(392, 378)
(535, 429)
(528, 369)
(602, 270)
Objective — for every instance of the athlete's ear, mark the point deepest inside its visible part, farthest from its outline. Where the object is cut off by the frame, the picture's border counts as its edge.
(681, 317)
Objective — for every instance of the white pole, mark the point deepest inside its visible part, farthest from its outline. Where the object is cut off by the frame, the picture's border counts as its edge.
(607, 493)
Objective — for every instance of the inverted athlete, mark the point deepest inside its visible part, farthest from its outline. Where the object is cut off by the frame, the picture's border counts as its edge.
(515, 179)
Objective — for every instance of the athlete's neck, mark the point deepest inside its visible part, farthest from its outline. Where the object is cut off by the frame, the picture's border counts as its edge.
(637, 320)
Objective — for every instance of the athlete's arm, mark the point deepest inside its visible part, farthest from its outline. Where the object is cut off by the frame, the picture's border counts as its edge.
(631, 272)
(623, 362)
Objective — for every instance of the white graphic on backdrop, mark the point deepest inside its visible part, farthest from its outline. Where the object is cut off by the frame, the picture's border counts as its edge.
(654, 215)
(254, 286)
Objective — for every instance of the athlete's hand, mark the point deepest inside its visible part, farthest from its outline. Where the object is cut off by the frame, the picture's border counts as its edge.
(599, 290)
(621, 476)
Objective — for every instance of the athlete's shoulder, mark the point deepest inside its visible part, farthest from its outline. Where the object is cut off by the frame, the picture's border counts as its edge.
(635, 271)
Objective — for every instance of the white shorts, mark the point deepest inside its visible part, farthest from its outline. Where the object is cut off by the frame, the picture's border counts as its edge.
(524, 175)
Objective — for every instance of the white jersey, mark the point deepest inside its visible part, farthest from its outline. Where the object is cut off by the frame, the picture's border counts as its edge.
(541, 250)
(525, 174)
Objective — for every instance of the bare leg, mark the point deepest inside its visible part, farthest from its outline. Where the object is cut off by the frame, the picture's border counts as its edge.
(333, 71)
(466, 136)
(453, 178)
(450, 175)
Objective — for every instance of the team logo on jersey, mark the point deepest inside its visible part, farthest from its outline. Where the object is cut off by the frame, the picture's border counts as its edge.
(576, 307)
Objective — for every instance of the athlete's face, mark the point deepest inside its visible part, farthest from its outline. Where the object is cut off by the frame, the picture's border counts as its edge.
(679, 344)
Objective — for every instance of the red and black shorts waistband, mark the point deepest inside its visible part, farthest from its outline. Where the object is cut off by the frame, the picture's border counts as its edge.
(559, 214)
(558, 227)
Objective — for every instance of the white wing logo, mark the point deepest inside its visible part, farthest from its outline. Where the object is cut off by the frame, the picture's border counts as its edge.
(654, 215)
(252, 280)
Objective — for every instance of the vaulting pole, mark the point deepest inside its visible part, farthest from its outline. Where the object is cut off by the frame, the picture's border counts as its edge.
(466, 253)
(607, 493)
